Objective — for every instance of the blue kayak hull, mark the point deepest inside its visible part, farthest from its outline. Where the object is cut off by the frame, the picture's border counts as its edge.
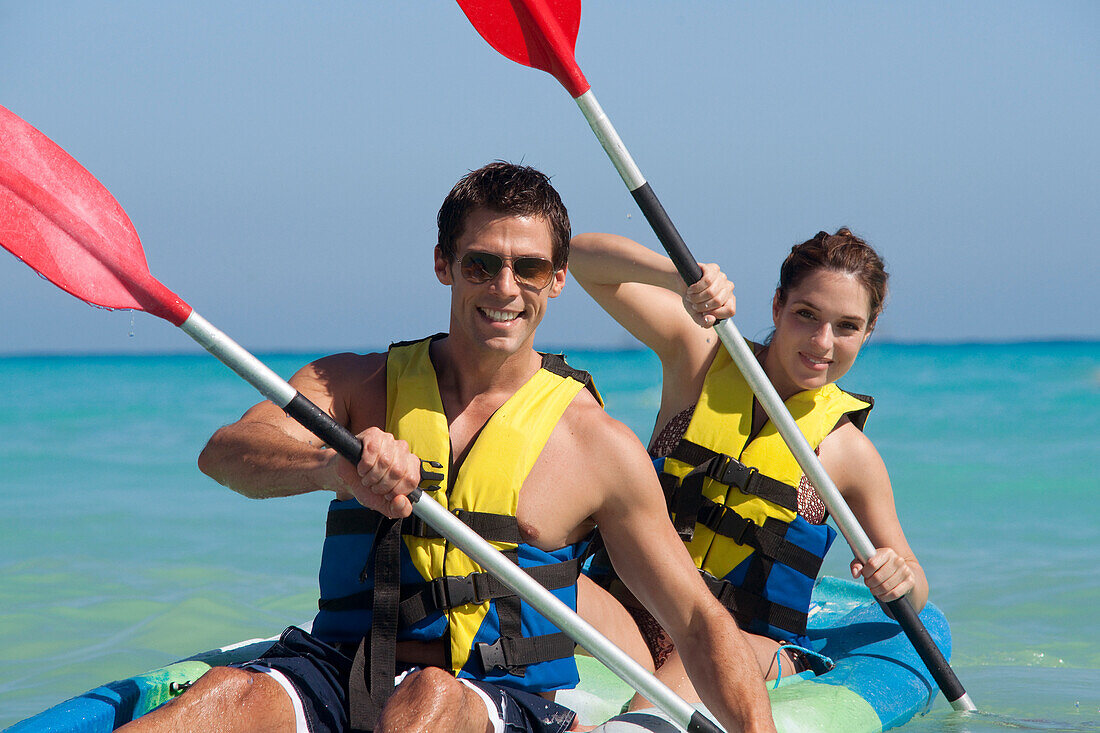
(878, 683)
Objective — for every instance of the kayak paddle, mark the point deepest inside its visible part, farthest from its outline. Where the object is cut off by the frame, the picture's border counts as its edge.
(542, 34)
(58, 219)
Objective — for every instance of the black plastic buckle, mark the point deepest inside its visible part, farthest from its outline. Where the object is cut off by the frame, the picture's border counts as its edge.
(492, 658)
(712, 515)
(733, 473)
(428, 476)
(719, 588)
(746, 484)
(734, 526)
(451, 592)
(716, 467)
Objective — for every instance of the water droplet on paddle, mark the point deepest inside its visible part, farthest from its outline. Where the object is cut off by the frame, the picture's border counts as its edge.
(131, 324)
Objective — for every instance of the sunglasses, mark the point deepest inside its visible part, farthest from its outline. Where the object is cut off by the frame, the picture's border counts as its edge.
(532, 272)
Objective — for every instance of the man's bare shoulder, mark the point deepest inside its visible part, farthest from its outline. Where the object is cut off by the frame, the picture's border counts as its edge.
(340, 372)
(601, 442)
(351, 387)
(348, 364)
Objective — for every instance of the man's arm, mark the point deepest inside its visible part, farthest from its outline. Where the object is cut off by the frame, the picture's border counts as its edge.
(268, 454)
(651, 559)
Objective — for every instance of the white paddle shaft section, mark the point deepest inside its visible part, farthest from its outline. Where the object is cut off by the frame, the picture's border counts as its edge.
(234, 356)
(553, 609)
(610, 140)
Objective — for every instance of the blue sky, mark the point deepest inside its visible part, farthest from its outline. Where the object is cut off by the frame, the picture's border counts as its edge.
(283, 162)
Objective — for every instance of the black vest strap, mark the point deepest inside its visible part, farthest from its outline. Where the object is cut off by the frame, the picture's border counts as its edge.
(687, 500)
(731, 472)
(493, 527)
(352, 521)
(452, 591)
(433, 337)
(747, 606)
(555, 364)
(510, 655)
(421, 599)
(508, 610)
(370, 687)
(859, 417)
(768, 540)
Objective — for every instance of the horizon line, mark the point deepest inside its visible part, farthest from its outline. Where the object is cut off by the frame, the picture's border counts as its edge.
(553, 348)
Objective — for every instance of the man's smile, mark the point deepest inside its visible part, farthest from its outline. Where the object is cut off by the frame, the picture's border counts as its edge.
(498, 316)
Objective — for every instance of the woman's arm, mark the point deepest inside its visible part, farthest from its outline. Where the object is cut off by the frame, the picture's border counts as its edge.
(642, 290)
(860, 474)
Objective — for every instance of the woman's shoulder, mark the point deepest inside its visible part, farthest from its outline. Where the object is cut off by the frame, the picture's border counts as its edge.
(848, 440)
(850, 457)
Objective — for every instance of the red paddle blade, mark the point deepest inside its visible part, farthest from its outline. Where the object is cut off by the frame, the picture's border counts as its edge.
(541, 34)
(62, 222)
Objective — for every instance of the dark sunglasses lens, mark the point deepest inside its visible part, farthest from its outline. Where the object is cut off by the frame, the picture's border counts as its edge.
(480, 267)
(533, 271)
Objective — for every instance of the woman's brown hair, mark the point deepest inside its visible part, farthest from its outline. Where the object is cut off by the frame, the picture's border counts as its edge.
(841, 252)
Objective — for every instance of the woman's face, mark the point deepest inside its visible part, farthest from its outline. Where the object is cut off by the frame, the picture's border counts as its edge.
(818, 331)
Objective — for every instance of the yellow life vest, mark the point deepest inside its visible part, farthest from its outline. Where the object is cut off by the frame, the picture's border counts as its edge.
(486, 486)
(733, 495)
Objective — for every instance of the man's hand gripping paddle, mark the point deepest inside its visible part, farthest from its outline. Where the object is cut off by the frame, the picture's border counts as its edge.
(62, 222)
(542, 34)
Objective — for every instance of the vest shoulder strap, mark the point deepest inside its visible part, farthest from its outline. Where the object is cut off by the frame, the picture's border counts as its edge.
(433, 337)
(555, 364)
(859, 416)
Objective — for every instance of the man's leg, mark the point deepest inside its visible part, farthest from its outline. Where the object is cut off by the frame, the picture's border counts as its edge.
(431, 699)
(224, 699)
(673, 674)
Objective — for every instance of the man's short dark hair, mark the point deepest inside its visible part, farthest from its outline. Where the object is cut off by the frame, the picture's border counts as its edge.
(516, 190)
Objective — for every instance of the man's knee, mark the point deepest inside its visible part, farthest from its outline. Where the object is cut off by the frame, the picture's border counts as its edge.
(432, 699)
(233, 686)
(432, 684)
(225, 698)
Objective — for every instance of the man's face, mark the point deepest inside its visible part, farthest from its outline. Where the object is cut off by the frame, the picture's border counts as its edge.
(500, 314)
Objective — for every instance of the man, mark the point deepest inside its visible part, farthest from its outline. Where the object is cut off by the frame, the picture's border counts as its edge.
(529, 459)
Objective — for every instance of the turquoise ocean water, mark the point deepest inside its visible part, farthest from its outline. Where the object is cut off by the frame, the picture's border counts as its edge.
(117, 555)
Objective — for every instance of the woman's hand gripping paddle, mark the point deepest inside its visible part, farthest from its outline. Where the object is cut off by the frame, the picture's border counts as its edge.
(62, 222)
(542, 34)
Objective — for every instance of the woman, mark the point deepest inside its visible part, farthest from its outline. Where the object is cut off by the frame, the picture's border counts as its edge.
(753, 522)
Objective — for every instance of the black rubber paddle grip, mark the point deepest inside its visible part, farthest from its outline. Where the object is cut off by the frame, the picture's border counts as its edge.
(321, 424)
(342, 440)
(666, 232)
(700, 723)
(922, 641)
